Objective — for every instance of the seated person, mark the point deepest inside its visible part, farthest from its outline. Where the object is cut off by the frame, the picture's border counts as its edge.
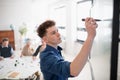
(5, 49)
(1, 58)
(39, 49)
(27, 49)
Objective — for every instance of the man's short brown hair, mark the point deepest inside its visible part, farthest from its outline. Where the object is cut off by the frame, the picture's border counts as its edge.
(5, 39)
(44, 26)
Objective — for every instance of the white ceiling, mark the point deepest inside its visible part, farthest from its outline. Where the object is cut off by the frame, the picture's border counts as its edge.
(21, 1)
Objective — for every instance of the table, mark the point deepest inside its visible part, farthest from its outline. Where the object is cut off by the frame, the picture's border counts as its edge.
(18, 68)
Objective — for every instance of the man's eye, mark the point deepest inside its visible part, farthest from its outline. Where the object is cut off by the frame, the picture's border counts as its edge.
(53, 32)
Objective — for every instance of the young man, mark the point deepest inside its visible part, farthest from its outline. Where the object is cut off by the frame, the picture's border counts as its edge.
(52, 64)
(5, 49)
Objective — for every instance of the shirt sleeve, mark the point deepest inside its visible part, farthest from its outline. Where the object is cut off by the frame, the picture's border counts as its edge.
(56, 65)
(12, 51)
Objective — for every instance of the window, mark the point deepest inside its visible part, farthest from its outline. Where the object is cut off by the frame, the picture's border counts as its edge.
(60, 18)
(83, 11)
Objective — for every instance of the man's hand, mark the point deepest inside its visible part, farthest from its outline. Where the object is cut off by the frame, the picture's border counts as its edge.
(34, 57)
(91, 26)
(1, 58)
(12, 56)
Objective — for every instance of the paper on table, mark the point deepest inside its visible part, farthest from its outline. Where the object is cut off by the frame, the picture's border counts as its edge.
(14, 74)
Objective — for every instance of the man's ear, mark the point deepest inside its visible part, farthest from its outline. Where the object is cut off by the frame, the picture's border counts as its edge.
(45, 38)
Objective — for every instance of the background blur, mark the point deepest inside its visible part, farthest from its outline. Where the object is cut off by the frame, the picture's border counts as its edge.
(28, 14)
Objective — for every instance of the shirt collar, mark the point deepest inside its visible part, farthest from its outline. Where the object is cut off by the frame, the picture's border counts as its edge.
(59, 48)
(48, 47)
(4, 46)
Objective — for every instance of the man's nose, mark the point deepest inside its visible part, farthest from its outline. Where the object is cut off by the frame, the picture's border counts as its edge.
(58, 34)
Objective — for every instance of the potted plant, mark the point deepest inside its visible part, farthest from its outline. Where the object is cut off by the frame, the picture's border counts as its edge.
(23, 29)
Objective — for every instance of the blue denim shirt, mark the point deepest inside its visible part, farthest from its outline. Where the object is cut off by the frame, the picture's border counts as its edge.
(52, 64)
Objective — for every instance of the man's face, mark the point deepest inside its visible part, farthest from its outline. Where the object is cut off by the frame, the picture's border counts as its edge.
(5, 43)
(28, 43)
(53, 36)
